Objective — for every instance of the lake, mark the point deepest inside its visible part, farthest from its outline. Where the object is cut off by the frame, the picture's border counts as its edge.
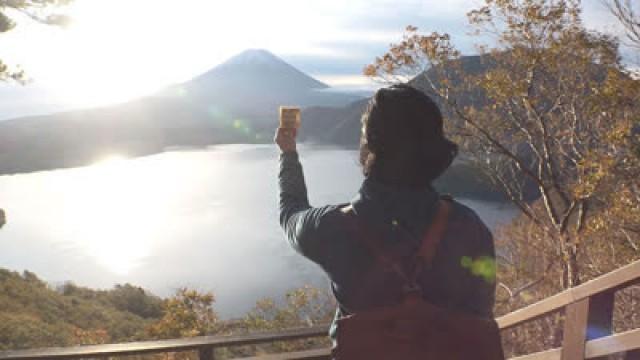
(201, 218)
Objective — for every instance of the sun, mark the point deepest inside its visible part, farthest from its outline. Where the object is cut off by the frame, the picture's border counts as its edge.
(118, 50)
(108, 54)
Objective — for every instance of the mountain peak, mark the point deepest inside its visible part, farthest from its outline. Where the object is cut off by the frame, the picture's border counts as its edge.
(257, 69)
(254, 57)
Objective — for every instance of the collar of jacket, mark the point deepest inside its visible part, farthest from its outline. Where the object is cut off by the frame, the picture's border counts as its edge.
(380, 203)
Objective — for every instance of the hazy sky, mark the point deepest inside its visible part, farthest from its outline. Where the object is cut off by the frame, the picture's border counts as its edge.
(119, 49)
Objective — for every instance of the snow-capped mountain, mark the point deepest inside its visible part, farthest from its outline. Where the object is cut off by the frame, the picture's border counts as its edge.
(235, 102)
(256, 67)
(254, 83)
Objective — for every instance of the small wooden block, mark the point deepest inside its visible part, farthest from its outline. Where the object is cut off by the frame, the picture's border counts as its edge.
(289, 117)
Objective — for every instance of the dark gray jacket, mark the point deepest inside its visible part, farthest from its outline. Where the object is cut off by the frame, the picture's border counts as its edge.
(462, 276)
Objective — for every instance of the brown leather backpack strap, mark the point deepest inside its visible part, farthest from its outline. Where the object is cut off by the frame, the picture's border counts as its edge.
(430, 241)
(424, 256)
(434, 234)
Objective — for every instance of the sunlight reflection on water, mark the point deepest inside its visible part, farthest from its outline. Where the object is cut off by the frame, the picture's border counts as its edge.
(117, 210)
(206, 219)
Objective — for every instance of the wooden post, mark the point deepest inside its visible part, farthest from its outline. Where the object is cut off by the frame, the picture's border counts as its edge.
(206, 353)
(587, 319)
(634, 354)
(575, 330)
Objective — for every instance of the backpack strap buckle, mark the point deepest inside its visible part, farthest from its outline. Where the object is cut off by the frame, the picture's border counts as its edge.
(412, 289)
(411, 294)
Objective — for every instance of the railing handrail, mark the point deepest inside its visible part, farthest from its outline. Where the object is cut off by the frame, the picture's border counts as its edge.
(171, 345)
(607, 283)
(595, 349)
(622, 277)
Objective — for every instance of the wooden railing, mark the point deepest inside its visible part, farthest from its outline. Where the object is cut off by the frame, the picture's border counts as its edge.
(588, 306)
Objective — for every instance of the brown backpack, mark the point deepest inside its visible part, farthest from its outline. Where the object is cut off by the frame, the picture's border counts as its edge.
(416, 329)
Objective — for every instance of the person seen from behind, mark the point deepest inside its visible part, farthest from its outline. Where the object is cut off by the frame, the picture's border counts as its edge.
(413, 272)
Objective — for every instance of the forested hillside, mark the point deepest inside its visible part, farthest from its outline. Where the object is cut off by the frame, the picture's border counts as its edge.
(34, 314)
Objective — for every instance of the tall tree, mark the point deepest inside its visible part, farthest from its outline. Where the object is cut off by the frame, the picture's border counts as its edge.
(42, 11)
(187, 313)
(618, 165)
(627, 14)
(532, 110)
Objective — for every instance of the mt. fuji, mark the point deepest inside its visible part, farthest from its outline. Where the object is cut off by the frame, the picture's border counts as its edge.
(235, 102)
(255, 83)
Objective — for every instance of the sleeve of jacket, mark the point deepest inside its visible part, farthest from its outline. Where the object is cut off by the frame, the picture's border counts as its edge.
(302, 223)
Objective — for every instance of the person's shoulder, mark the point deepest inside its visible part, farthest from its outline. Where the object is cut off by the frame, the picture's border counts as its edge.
(467, 221)
(333, 215)
(336, 220)
(333, 226)
(460, 211)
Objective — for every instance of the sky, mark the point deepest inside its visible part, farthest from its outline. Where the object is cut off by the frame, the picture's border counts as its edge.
(121, 49)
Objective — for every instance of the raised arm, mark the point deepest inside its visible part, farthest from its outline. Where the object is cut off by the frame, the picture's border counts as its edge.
(301, 223)
(293, 190)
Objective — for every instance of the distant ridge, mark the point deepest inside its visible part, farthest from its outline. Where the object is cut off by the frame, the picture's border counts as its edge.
(234, 102)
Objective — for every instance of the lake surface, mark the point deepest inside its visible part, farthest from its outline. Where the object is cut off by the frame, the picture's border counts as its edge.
(206, 219)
